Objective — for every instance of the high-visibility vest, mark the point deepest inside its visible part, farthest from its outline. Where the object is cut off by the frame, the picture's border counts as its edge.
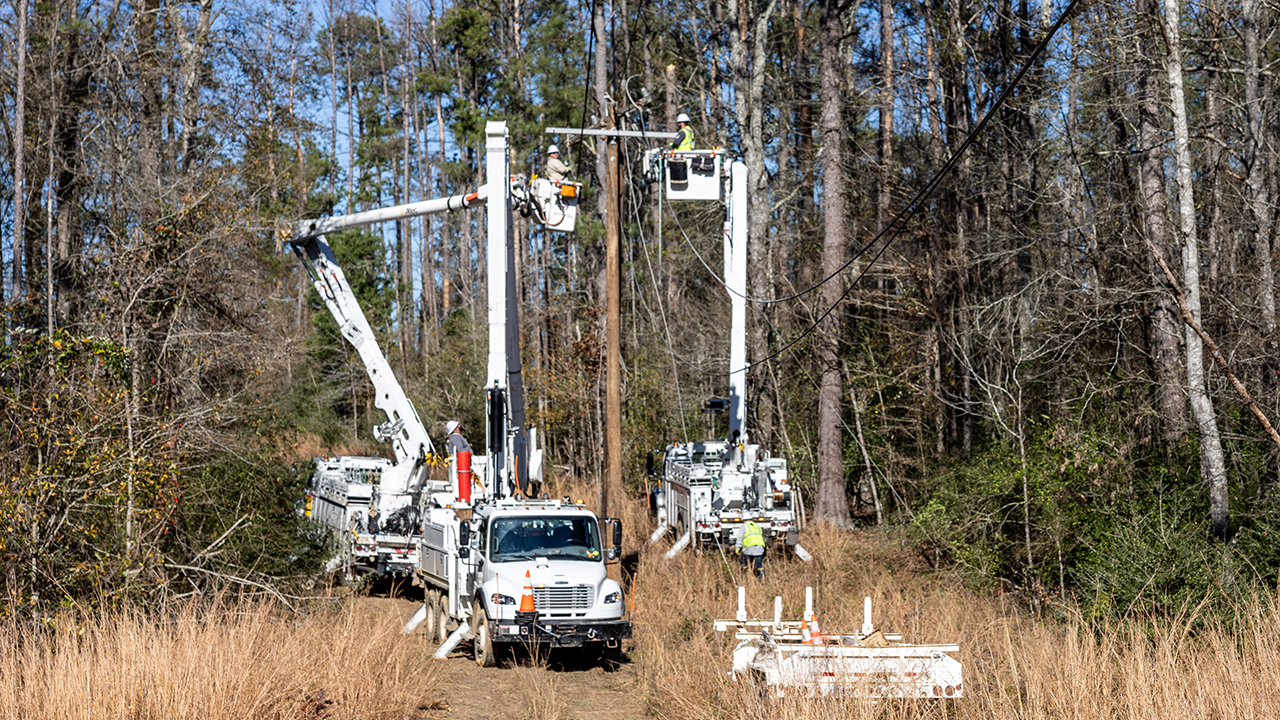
(753, 535)
(686, 139)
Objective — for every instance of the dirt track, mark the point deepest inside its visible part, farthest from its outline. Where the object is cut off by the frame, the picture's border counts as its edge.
(556, 688)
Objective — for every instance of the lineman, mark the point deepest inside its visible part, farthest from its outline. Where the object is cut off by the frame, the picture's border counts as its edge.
(684, 134)
(557, 170)
(457, 442)
(752, 546)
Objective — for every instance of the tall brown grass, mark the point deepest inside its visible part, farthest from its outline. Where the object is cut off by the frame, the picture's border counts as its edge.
(231, 661)
(1015, 665)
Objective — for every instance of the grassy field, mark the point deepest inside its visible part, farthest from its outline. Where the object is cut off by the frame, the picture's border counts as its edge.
(249, 659)
(236, 660)
(1015, 665)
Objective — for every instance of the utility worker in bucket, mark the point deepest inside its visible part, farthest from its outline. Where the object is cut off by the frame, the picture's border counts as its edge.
(684, 134)
(752, 546)
(557, 170)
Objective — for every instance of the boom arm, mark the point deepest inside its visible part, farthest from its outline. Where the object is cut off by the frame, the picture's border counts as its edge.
(403, 428)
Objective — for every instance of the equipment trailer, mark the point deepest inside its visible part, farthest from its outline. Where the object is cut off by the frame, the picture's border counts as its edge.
(791, 657)
(472, 539)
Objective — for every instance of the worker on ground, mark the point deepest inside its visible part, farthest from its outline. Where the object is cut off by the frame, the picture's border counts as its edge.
(557, 170)
(684, 134)
(752, 547)
(457, 442)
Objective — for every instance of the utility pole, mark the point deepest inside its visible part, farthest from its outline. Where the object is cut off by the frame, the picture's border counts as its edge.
(611, 483)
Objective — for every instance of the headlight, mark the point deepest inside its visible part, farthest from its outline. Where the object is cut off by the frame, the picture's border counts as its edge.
(612, 597)
(497, 599)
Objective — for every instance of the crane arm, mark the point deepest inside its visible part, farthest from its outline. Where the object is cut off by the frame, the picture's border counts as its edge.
(403, 428)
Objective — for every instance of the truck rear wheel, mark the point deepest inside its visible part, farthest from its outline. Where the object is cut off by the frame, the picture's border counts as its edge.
(432, 606)
(442, 616)
(482, 643)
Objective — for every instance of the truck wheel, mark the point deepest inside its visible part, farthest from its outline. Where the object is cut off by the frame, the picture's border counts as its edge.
(442, 617)
(482, 644)
(432, 620)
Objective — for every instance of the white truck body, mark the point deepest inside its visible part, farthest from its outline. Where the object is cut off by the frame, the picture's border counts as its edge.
(707, 490)
(391, 518)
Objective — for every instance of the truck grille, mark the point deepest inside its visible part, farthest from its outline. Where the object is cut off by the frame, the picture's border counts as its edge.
(566, 597)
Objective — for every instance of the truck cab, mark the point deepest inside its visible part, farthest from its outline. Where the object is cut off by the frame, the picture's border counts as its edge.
(559, 550)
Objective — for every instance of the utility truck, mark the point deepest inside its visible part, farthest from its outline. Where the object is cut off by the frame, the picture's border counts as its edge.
(474, 533)
(705, 491)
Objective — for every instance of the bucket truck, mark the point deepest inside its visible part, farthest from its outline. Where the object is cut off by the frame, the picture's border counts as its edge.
(706, 491)
(499, 565)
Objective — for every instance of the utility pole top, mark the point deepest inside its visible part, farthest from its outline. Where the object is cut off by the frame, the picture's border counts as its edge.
(605, 132)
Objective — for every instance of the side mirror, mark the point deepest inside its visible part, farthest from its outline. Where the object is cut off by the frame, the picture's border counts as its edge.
(648, 464)
(464, 552)
(617, 532)
(464, 534)
(613, 553)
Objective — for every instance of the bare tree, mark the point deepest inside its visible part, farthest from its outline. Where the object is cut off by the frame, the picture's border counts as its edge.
(1163, 325)
(19, 151)
(832, 505)
(1212, 467)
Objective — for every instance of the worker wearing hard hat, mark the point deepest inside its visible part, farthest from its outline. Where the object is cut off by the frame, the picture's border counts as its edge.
(457, 442)
(753, 546)
(557, 170)
(684, 134)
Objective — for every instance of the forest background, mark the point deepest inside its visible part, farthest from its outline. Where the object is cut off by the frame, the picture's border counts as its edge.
(982, 350)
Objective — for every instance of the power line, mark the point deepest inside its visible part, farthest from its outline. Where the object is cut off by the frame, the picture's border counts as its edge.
(899, 220)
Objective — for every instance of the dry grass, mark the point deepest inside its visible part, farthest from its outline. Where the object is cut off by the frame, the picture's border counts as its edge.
(232, 661)
(543, 700)
(1015, 666)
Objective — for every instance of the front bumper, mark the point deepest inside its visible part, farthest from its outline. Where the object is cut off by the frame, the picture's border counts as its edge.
(559, 632)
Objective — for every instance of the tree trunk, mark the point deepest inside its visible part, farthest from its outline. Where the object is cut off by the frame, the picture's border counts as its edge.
(833, 504)
(1165, 345)
(19, 151)
(150, 120)
(1212, 467)
(193, 51)
(885, 113)
(1255, 183)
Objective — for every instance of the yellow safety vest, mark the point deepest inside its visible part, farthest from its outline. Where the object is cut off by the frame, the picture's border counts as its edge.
(686, 139)
(753, 535)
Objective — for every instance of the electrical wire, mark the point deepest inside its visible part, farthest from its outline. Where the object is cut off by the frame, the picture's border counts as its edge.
(899, 220)
(657, 296)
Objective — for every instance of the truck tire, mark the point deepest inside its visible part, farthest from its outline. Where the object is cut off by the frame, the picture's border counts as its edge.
(442, 616)
(432, 606)
(482, 642)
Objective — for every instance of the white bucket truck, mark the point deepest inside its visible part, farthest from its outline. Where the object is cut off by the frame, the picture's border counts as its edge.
(474, 540)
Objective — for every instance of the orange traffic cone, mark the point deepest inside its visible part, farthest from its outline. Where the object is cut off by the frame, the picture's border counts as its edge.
(814, 631)
(805, 635)
(526, 600)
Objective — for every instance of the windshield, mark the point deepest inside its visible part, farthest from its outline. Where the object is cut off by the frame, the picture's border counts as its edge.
(564, 538)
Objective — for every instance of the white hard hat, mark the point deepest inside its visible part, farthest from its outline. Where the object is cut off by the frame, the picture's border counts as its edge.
(450, 426)
(553, 149)
(682, 118)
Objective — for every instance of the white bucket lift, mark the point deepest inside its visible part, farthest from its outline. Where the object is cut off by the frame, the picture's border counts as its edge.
(691, 174)
(557, 203)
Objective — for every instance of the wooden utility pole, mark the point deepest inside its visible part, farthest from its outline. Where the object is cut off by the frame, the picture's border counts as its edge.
(611, 484)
